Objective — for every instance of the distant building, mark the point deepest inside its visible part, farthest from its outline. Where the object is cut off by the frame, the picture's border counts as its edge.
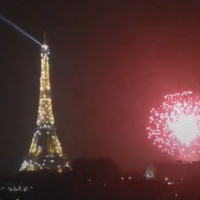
(150, 172)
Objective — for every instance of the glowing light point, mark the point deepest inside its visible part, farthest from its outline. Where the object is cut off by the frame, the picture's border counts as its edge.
(44, 46)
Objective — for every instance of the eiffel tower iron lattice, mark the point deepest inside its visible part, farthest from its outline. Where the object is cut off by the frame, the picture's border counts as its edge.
(45, 151)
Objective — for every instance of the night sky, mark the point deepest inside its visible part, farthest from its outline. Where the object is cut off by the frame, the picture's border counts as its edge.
(111, 62)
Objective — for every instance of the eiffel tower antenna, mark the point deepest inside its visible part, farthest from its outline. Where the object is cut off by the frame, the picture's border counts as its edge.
(45, 39)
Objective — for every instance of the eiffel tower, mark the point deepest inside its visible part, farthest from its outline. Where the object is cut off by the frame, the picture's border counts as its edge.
(45, 151)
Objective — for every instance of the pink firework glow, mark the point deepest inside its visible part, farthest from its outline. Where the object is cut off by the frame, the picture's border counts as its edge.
(175, 125)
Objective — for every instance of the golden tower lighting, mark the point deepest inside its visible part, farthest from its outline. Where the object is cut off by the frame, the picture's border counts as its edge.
(45, 151)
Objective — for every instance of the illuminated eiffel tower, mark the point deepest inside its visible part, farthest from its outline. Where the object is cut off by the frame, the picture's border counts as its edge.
(45, 151)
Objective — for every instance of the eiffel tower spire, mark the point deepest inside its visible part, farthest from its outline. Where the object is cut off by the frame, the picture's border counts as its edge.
(45, 150)
(45, 39)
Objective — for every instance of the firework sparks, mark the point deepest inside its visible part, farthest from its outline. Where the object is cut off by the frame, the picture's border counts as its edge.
(175, 125)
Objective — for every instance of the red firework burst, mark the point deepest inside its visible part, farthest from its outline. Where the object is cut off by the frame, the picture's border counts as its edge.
(175, 125)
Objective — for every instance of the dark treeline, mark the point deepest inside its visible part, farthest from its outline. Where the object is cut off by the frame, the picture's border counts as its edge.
(93, 179)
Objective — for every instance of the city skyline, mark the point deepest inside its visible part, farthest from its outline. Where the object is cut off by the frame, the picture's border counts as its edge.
(111, 65)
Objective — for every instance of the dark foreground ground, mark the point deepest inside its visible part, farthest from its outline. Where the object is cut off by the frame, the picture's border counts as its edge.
(98, 180)
(69, 186)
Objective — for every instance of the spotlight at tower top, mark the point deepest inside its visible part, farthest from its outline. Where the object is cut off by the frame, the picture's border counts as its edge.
(174, 126)
(44, 46)
(45, 49)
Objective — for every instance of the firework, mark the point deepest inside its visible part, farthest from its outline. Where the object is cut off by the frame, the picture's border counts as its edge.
(175, 125)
